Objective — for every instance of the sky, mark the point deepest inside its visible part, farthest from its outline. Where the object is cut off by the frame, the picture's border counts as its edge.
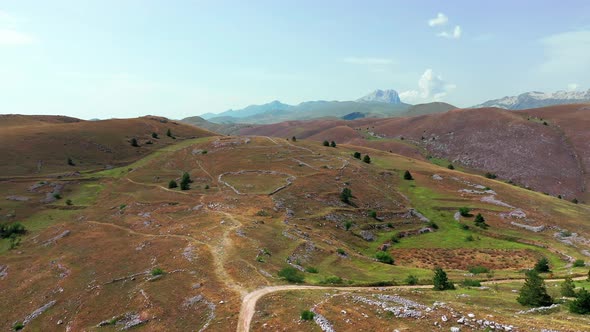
(126, 58)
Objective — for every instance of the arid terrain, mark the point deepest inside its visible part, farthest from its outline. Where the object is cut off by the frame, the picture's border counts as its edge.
(116, 248)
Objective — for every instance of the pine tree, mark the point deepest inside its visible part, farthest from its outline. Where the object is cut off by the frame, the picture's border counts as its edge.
(408, 176)
(71, 162)
(440, 280)
(367, 159)
(567, 287)
(345, 195)
(172, 184)
(450, 166)
(534, 293)
(185, 182)
(326, 143)
(333, 144)
(581, 305)
(155, 135)
(169, 133)
(542, 265)
(357, 155)
(294, 139)
(134, 142)
(480, 221)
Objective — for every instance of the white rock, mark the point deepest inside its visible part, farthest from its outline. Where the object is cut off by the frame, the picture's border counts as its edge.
(455, 329)
(444, 318)
(470, 315)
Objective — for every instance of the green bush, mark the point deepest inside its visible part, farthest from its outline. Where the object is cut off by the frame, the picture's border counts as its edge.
(18, 326)
(341, 251)
(348, 225)
(71, 162)
(12, 230)
(172, 184)
(367, 159)
(291, 274)
(411, 280)
(311, 269)
(471, 283)
(579, 263)
(169, 132)
(326, 143)
(373, 214)
(490, 175)
(357, 155)
(408, 175)
(464, 211)
(157, 272)
(450, 166)
(542, 265)
(469, 238)
(134, 142)
(307, 315)
(384, 257)
(155, 135)
(346, 195)
(294, 139)
(69, 202)
(480, 221)
(581, 305)
(333, 144)
(331, 280)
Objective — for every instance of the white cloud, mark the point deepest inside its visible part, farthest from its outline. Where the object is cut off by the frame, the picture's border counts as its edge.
(572, 87)
(367, 61)
(440, 19)
(13, 37)
(455, 34)
(567, 54)
(431, 87)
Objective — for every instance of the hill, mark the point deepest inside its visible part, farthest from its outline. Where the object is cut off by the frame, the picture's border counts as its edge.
(537, 99)
(512, 145)
(119, 249)
(42, 144)
(429, 108)
(220, 128)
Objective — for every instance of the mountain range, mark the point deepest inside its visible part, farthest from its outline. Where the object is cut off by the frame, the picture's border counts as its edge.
(536, 99)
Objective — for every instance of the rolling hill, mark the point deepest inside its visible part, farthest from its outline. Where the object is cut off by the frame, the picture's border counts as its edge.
(42, 144)
(119, 249)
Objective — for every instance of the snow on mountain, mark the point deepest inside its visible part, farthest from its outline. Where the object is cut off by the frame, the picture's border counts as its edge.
(381, 96)
(536, 99)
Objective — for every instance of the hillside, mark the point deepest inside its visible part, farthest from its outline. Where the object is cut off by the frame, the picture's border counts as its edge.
(42, 144)
(511, 145)
(127, 251)
(224, 129)
(429, 108)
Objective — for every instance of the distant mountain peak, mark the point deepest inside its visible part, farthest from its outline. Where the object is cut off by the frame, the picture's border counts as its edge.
(536, 99)
(381, 96)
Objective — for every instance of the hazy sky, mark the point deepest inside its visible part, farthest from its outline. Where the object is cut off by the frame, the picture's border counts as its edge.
(102, 59)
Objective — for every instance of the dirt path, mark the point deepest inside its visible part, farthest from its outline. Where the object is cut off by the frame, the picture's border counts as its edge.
(249, 301)
(156, 185)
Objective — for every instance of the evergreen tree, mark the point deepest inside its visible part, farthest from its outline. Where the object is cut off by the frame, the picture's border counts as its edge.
(480, 221)
(581, 305)
(450, 166)
(169, 133)
(155, 135)
(357, 155)
(134, 142)
(294, 139)
(367, 159)
(71, 162)
(575, 201)
(567, 287)
(534, 293)
(333, 144)
(345, 195)
(326, 143)
(408, 175)
(185, 182)
(440, 280)
(542, 265)
(172, 184)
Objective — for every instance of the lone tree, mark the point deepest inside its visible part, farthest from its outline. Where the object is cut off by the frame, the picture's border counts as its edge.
(480, 221)
(346, 195)
(367, 159)
(169, 133)
(185, 183)
(155, 135)
(440, 280)
(326, 143)
(408, 175)
(71, 162)
(294, 139)
(534, 293)
(134, 142)
(575, 201)
(542, 265)
(581, 305)
(451, 166)
(333, 144)
(172, 184)
(567, 288)
(357, 155)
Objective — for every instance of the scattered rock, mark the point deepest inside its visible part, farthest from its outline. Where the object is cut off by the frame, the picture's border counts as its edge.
(38, 312)
(17, 198)
(437, 177)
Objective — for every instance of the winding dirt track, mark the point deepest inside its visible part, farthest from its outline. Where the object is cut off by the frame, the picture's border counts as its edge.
(249, 301)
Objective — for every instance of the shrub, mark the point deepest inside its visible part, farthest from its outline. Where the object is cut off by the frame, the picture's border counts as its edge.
(480, 221)
(71, 162)
(291, 274)
(478, 269)
(326, 143)
(534, 293)
(464, 227)
(122, 206)
(411, 280)
(12, 230)
(69, 202)
(57, 196)
(464, 211)
(134, 142)
(545, 123)
(408, 175)
(581, 305)
(357, 155)
(169, 132)
(440, 280)
(579, 263)
(172, 184)
(433, 225)
(341, 251)
(490, 175)
(567, 287)
(204, 152)
(384, 257)
(575, 201)
(542, 265)
(346, 195)
(469, 238)
(565, 233)
(373, 214)
(206, 186)
(367, 159)
(471, 283)
(333, 144)
(18, 326)
(155, 135)
(311, 269)
(157, 272)
(451, 167)
(294, 139)
(307, 315)
(347, 225)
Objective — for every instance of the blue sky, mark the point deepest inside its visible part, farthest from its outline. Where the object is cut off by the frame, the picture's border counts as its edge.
(124, 58)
